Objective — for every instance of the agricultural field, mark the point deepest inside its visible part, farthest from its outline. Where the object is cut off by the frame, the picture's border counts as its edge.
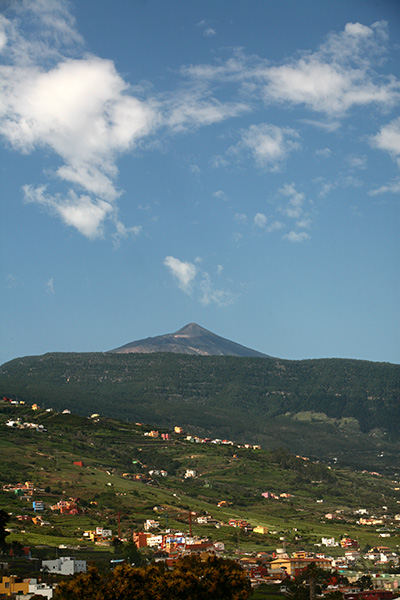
(117, 492)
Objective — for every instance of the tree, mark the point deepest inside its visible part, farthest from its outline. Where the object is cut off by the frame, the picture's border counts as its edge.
(365, 583)
(3, 533)
(191, 578)
(308, 584)
(117, 545)
(16, 548)
(335, 595)
(85, 586)
(133, 555)
(212, 578)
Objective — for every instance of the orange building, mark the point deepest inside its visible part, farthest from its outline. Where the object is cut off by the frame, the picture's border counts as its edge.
(12, 585)
(140, 539)
(294, 566)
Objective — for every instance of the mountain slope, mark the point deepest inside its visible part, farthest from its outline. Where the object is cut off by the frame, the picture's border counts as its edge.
(191, 339)
(334, 408)
(113, 452)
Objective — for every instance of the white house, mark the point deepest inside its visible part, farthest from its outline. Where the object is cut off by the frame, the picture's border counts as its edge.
(66, 565)
(329, 542)
(151, 524)
(154, 541)
(40, 588)
(190, 473)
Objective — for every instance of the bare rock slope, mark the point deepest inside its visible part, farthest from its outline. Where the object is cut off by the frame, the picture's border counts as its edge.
(191, 339)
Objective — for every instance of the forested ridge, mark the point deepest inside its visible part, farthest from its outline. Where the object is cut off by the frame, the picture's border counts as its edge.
(232, 395)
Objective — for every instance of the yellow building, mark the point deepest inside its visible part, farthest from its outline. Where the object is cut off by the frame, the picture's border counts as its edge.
(13, 585)
(260, 529)
(37, 520)
(301, 554)
(293, 566)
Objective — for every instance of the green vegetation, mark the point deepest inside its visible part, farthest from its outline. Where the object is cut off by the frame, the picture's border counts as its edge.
(3, 532)
(341, 410)
(191, 578)
(114, 453)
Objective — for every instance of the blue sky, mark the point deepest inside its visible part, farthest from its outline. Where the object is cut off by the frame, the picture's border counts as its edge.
(232, 163)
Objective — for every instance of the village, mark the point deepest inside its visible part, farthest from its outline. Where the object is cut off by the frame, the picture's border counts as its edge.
(158, 537)
(275, 568)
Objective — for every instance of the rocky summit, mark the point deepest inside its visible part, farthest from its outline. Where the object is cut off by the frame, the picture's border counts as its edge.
(191, 339)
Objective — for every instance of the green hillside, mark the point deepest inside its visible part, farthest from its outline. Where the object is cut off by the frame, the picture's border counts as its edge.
(114, 452)
(335, 409)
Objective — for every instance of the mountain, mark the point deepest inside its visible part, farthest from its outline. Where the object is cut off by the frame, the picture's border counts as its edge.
(332, 409)
(191, 339)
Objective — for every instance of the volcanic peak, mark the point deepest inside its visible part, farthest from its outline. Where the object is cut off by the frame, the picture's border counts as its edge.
(190, 339)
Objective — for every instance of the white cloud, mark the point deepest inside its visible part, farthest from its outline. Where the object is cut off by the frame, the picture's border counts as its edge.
(392, 188)
(4, 25)
(51, 33)
(13, 281)
(350, 181)
(324, 152)
(329, 125)
(294, 208)
(122, 232)
(208, 31)
(55, 97)
(87, 215)
(308, 82)
(326, 188)
(50, 286)
(337, 76)
(236, 68)
(296, 237)
(304, 223)
(388, 139)
(357, 162)
(219, 161)
(240, 218)
(275, 226)
(268, 144)
(209, 294)
(79, 110)
(331, 80)
(220, 194)
(357, 29)
(260, 220)
(324, 87)
(191, 110)
(184, 272)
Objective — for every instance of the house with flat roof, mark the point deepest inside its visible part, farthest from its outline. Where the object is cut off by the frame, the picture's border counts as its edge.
(65, 565)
